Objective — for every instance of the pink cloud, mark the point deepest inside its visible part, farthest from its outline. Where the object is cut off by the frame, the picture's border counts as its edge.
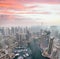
(43, 1)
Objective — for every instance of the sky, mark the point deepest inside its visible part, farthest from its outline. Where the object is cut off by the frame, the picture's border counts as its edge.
(29, 12)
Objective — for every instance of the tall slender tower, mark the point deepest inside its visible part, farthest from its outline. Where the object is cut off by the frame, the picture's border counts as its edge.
(50, 45)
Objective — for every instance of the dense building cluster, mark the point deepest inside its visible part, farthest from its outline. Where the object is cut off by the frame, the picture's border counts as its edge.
(11, 37)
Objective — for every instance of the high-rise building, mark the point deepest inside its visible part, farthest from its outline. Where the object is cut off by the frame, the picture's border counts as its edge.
(50, 45)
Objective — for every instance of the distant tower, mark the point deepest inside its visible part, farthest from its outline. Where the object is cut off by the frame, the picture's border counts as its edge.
(28, 34)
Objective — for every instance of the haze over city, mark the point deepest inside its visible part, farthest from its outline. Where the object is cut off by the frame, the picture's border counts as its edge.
(29, 29)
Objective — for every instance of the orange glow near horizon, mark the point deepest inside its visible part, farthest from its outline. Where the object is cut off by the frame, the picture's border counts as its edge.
(11, 6)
